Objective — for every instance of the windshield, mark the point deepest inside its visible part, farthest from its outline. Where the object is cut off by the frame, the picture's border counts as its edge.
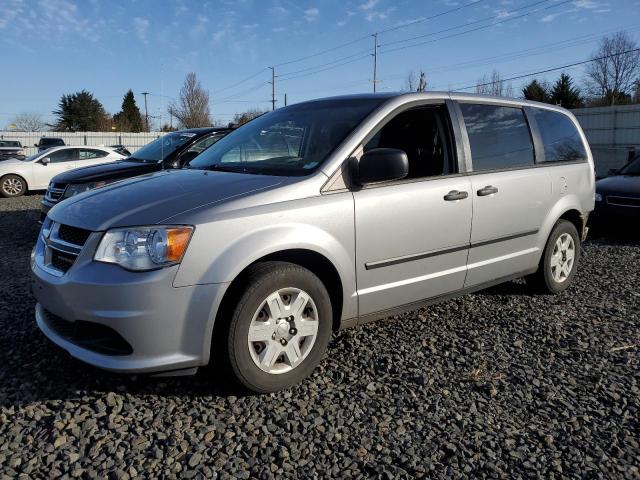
(162, 147)
(290, 141)
(631, 168)
(32, 157)
(9, 143)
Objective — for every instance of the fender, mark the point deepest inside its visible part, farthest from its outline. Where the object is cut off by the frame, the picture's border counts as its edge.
(563, 205)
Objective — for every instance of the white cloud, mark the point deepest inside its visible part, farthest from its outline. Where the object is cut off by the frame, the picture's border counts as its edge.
(310, 14)
(141, 27)
(368, 5)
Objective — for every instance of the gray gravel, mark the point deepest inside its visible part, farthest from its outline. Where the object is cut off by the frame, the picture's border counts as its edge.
(500, 384)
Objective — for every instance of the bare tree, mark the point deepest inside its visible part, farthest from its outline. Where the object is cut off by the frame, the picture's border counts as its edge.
(415, 82)
(492, 85)
(192, 107)
(244, 117)
(614, 68)
(410, 82)
(29, 122)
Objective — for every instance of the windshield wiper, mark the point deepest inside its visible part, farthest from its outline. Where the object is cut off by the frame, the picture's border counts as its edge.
(227, 168)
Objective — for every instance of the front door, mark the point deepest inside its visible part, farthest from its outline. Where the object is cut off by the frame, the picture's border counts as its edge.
(412, 235)
(510, 196)
(59, 161)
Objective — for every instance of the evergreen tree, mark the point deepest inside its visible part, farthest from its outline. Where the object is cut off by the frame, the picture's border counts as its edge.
(536, 91)
(565, 94)
(129, 118)
(80, 112)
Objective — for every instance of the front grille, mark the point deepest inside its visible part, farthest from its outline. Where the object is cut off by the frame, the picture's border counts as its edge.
(69, 234)
(623, 201)
(63, 244)
(62, 261)
(54, 192)
(90, 335)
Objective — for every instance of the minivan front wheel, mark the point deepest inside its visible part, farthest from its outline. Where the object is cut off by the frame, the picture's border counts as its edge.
(280, 327)
(559, 261)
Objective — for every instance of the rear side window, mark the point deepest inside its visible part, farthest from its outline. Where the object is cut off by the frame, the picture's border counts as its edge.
(562, 142)
(499, 137)
(89, 154)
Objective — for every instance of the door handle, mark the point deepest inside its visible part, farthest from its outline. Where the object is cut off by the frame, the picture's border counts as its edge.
(488, 190)
(454, 195)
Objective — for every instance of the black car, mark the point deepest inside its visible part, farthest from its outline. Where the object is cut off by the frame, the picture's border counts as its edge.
(48, 142)
(11, 149)
(172, 150)
(618, 196)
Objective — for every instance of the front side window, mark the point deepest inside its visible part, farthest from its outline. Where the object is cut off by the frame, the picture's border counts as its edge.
(59, 156)
(631, 168)
(499, 137)
(562, 142)
(423, 134)
(202, 145)
(90, 154)
(291, 141)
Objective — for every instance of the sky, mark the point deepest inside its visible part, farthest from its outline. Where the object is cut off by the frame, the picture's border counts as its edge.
(318, 48)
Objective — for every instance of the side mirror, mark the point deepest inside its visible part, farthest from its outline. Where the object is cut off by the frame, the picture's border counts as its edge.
(612, 171)
(35, 144)
(45, 161)
(381, 164)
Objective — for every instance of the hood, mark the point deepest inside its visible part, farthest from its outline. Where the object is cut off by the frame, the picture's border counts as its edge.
(11, 161)
(106, 171)
(620, 185)
(150, 199)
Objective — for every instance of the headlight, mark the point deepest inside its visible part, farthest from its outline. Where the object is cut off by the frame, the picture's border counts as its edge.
(144, 248)
(73, 190)
(598, 197)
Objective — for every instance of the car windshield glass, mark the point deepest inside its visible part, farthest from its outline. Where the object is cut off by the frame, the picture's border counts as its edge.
(162, 147)
(290, 141)
(632, 168)
(33, 157)
(51, 142)
(9, 143)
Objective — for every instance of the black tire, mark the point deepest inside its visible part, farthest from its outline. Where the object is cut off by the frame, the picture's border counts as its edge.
(12, 186)
(543, 280)
(263, 280)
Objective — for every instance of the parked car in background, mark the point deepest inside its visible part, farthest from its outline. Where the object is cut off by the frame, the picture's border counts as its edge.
(11, 149)
(49, 142)
(172, 150)
(316, 216)
(618, 196)
(121, 149)
(35, 172)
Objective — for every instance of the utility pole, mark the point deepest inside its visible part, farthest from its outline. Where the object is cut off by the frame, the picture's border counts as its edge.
(273, 88)
(375, 61)
(146, 112)
(285, 99)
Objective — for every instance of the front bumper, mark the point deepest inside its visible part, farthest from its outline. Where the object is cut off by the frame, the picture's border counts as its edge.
(167, 328)
(606, 213)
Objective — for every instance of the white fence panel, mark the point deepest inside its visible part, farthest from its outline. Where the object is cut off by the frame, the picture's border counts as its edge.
(133, 141)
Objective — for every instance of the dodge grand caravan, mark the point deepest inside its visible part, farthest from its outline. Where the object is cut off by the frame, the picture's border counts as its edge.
(317, 216)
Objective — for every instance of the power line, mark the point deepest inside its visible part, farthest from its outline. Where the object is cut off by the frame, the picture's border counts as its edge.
(314, 67)
(390, 29)
(548, 70)
(327, 68)
(250, 77)
(502, 15)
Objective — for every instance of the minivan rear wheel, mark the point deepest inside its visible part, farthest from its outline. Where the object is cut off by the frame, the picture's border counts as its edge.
(559, 261)
(280, 327)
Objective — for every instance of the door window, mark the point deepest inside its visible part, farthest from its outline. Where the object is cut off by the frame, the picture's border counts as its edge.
(499, 137)
(562, 142)
(423, 134)
(60, 156)
(86, 154)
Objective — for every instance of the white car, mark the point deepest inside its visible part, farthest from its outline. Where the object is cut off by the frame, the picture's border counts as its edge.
(35, 172)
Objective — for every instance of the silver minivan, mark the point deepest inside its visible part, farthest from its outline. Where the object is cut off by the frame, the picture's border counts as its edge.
(317, 216)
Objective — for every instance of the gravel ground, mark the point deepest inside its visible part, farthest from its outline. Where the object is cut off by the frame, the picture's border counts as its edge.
(499, 384)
